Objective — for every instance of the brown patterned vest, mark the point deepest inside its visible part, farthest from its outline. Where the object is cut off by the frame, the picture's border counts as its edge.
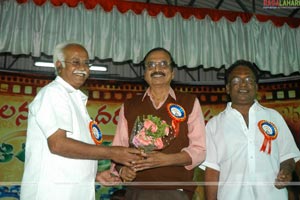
(136, 107)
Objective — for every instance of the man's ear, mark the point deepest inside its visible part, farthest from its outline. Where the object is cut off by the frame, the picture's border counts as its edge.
(227, 89)
(58, 66)
(173, 74)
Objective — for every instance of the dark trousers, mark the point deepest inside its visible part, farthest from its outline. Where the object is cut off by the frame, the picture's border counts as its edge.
(141, 194)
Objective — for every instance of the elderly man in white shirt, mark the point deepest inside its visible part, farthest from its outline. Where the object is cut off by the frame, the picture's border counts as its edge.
(60, 155)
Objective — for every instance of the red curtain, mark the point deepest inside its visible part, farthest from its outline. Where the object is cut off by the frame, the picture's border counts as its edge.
(170, 11)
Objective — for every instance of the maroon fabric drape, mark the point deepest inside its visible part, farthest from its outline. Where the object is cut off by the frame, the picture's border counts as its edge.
(170, 11)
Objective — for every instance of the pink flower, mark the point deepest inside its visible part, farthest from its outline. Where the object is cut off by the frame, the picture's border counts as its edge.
(158, 143)
(141, 139)
(149, 132)
(150, 124)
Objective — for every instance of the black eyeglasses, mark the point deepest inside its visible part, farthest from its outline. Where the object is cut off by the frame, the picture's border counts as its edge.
(78, 63)
(162, 64)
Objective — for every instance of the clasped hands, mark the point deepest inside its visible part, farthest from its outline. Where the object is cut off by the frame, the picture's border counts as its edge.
(133, 160)
(146, 161)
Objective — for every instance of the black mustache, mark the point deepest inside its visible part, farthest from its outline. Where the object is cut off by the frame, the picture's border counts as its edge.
(158, 73)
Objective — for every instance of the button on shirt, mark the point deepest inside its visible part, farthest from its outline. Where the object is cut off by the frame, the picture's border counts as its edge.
(234, 150)
(48, 176)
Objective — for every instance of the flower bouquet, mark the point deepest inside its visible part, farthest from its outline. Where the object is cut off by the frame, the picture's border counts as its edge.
(150, 133)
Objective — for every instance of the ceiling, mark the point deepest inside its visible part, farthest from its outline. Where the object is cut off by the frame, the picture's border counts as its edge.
(249, 6)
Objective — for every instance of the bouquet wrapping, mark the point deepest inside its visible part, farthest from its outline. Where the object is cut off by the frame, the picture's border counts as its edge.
(151, 133)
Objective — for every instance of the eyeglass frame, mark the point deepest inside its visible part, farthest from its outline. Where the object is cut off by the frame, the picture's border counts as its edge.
(247, 80)
(163, 64)
(78, 63)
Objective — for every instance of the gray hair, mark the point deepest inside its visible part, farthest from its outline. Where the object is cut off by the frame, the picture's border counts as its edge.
(58, 53)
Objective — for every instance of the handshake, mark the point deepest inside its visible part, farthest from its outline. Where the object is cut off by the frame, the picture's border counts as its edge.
(127, 162)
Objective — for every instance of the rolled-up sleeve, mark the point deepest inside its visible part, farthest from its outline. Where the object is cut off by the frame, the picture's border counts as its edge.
(196, 135)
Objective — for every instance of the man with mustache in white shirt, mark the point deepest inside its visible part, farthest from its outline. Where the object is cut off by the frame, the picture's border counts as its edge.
(60, 155)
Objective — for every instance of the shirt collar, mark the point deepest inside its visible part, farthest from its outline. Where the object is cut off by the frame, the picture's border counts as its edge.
(171, 93)
(65, 84)
(69, 88)
(255, 105)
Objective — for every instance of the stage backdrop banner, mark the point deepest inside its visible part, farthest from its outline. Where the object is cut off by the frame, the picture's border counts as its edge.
(105, 99)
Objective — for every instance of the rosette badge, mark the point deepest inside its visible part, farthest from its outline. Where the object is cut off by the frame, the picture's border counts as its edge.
(96, 133)
(177, 114)
(270, 132)
(149, 133)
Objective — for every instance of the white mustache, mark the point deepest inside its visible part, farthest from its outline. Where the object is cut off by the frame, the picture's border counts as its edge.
(80, 72)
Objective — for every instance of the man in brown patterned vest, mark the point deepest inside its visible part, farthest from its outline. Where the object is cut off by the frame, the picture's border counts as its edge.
(167, 172)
